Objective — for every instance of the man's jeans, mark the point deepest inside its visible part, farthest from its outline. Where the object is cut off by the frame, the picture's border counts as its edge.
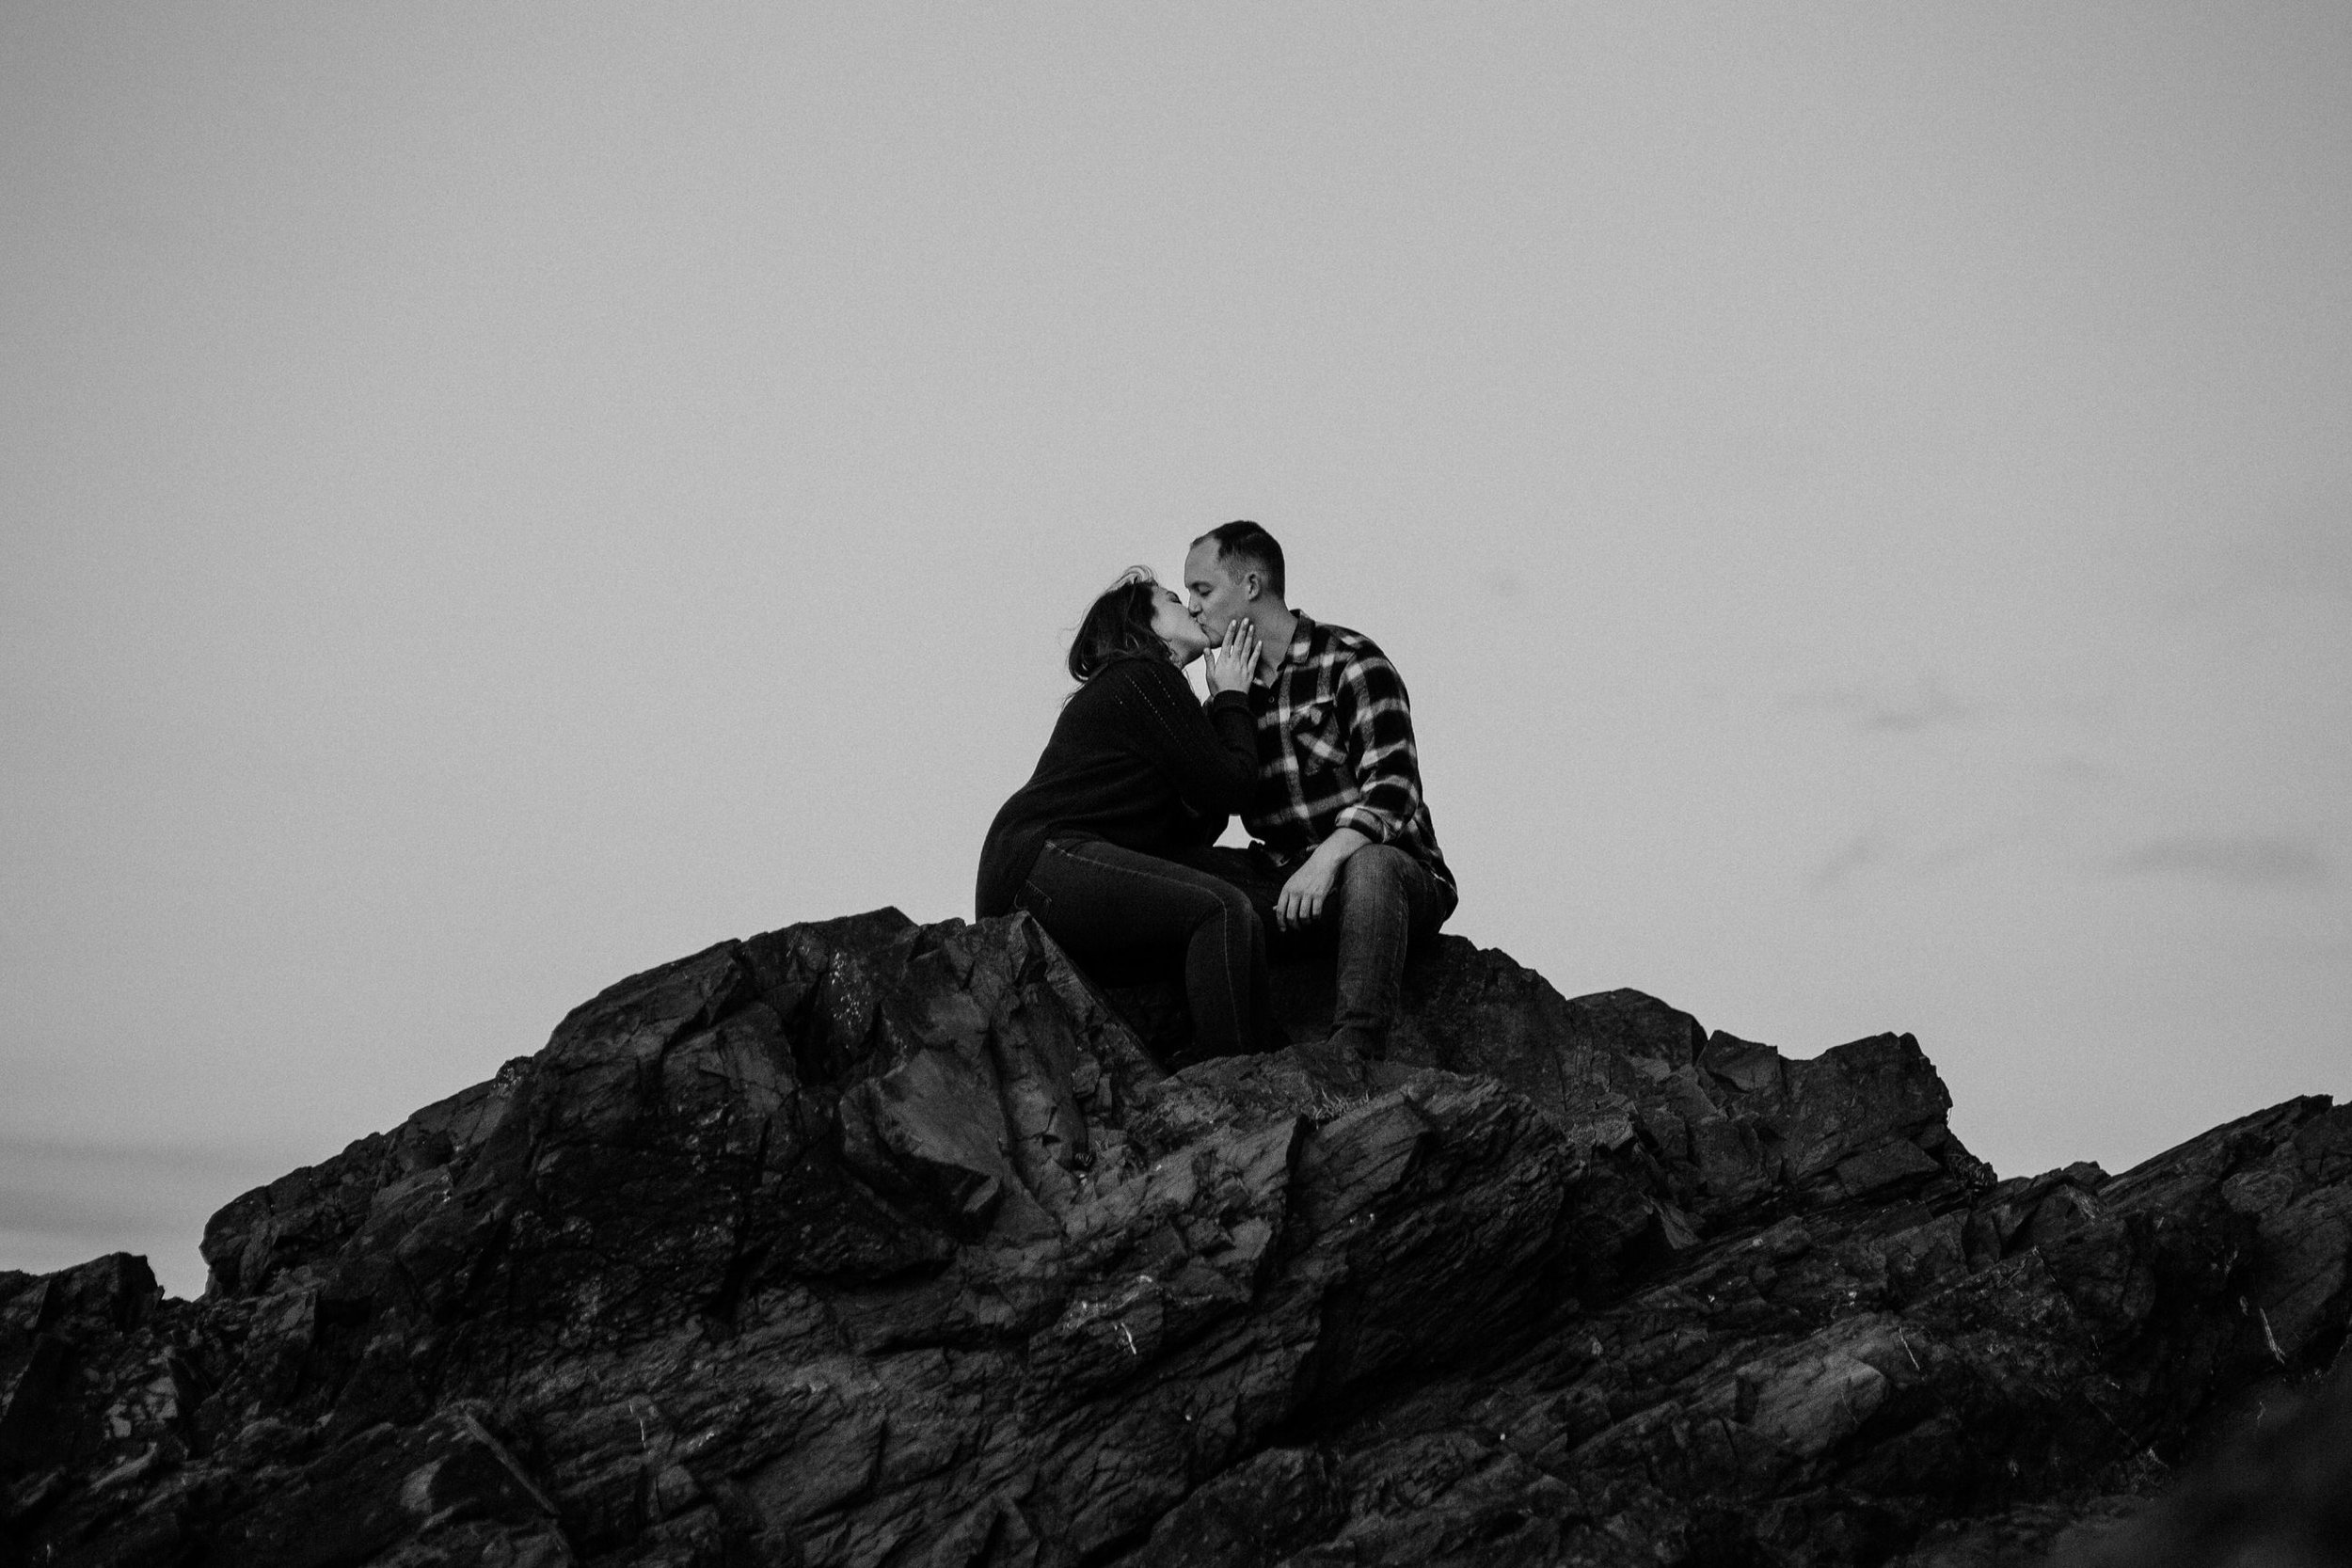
(1382, 902)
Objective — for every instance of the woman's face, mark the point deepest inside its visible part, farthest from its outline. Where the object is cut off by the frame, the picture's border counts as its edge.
(1185, 641)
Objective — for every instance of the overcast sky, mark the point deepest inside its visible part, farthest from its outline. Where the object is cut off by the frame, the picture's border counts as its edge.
(494, 497)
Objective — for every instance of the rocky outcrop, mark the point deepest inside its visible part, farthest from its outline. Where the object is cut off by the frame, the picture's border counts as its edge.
(866, 1242)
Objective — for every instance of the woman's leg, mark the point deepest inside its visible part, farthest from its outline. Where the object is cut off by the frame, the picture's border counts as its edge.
(1095, 899)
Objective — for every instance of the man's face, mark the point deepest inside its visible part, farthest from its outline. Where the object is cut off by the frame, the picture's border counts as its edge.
(1213, 594)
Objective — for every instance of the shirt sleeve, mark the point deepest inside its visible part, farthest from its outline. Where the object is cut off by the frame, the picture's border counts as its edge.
(1379, 721)
(1209, 754)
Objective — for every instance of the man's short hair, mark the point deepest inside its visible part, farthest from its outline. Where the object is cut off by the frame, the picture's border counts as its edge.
(1246, 542)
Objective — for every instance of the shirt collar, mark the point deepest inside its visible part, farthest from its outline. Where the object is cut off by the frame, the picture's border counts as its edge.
(1301, 645)
(1302, 639)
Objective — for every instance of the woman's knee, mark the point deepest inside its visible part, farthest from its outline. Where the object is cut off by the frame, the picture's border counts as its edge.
(1229, 907)
(1248, 926)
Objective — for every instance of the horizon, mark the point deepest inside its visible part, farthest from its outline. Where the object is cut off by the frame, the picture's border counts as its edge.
(498, 500)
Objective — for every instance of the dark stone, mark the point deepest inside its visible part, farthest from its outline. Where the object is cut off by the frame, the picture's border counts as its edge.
(866, 1242)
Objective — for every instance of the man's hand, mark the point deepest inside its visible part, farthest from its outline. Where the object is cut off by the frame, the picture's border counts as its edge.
(1303, 896)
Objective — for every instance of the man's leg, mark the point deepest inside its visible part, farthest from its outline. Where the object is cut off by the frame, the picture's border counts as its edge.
(1383, 899)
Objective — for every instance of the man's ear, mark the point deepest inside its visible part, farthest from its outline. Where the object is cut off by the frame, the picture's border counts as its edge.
(1252, 586)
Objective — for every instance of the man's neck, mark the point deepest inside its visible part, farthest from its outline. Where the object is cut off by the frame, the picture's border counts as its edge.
(1275, 630)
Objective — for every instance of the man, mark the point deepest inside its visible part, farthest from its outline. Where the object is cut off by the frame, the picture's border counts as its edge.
(1346, 858)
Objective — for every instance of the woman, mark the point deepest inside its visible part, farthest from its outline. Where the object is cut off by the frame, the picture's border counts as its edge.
(1137, 772)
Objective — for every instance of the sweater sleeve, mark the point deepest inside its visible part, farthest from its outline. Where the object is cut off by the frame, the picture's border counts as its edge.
(1210, 755)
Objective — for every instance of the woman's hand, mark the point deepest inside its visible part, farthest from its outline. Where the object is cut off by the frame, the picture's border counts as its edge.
(1233, 661)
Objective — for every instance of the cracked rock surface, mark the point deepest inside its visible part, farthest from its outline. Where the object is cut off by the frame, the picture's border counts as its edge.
(875, 1244)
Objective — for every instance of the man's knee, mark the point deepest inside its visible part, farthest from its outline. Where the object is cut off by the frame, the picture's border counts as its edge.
(1383, 876)
(1376, 865)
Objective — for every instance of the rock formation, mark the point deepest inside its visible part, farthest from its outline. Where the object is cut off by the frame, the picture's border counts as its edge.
(866, 1242)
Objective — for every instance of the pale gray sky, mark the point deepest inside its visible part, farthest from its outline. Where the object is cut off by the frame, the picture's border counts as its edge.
(497, 497)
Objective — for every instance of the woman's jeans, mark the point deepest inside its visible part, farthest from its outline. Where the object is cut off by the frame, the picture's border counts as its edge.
(1098, 901)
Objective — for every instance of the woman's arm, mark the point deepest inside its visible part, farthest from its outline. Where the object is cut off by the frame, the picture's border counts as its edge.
(1210, 755)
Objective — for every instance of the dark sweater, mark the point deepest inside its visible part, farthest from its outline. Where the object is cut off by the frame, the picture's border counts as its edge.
(1135, 760)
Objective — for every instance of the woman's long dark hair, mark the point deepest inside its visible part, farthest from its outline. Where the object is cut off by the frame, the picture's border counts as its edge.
(1117, 624)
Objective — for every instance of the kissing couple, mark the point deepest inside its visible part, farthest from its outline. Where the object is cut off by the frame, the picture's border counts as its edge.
(1306, 734)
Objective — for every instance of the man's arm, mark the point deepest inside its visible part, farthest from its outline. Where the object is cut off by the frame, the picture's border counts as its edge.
(1302, 897)
(1379, 720)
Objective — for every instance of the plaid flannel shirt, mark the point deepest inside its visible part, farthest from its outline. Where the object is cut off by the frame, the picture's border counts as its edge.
(1335, 749)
